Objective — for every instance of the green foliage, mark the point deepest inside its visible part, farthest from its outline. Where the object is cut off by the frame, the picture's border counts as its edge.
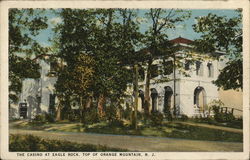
(219, 115)
(223, 34)
(29, 143)
(231, 77)
(44, 118)
(107, 37)
(24, 26)
(171, 129)
(76, 79)
(40, 118)
(156, 118)
(90, 116)
(208, 120)
(50, 118)
(112, 116)
(168, 116)
(73, 115)
(126, 113)
(184, 117)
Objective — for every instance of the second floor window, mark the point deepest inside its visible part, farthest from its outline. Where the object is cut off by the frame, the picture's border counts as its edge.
(168, 67)
(154, 71)
(210, 70)
(199, 68)
(53, 67)
(187, 65)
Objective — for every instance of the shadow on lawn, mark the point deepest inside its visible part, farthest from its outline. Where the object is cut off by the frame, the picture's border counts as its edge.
(171, 130)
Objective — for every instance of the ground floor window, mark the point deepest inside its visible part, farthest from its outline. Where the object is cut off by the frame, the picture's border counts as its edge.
(52, 99)
(168, 103)
(154, 97)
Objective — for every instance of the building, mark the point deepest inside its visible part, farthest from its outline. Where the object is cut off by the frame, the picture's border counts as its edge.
(37, 95)
(193, 93)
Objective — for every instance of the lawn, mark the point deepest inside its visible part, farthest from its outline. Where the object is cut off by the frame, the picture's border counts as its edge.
(167, 129)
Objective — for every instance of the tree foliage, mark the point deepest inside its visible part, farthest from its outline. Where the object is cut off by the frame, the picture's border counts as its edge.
(24, 26)
(157, 43)
(105, 38)
(220, 33)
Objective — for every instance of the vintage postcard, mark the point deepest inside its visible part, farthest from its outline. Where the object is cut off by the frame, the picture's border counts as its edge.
(124, 79)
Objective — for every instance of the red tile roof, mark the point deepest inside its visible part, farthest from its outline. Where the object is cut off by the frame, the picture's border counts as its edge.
(181, 40)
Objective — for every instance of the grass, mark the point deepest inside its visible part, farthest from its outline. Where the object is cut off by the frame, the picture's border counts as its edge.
(171, 130)
(29, 143)
(167, 129)
(238, 123)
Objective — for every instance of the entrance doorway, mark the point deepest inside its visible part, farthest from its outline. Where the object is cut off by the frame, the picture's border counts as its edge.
(200, 98)
(23, 107)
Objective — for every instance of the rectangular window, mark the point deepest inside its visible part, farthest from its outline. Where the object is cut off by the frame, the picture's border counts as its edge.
(187, 65)
(52, 98)
(210, 69)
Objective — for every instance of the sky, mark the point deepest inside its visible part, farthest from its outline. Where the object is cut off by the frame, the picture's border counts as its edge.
(184, 29)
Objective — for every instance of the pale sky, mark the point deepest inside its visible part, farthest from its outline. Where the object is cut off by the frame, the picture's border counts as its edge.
(183, 29)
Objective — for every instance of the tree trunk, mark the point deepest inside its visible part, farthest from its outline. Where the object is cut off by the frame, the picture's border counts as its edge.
(147, 89)
(58, 111)
(101, 101)
(89, 102)
(136, 95)
(82, 109)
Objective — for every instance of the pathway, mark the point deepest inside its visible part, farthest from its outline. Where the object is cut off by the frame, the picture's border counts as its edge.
(137, 143)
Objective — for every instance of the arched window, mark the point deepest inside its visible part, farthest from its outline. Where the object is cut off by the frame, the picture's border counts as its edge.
(154, 97)
(168, 103)
(199, 68)
(154, 71)
(210, 68)
(141, 95)
(167, 67)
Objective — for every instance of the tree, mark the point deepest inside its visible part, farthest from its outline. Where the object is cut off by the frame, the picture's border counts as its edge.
(220, 33)
(105, 38)
(75, 81)
(24, 26)
(156, 41)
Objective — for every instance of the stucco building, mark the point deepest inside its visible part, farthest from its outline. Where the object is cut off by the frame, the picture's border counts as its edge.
(193, 90)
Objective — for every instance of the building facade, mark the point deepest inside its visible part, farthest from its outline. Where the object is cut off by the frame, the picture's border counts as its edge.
(190, 93)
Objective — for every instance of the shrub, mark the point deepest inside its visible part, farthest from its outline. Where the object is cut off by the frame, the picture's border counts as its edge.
(43, 118)
(116, 123)
(49, 118)
(32, 143)
(184, 117)
(140, 116)
(221, 116)
(74, 115)
(127, 113)
(112, 116)
(156, 118)
(168, 116)
(90, 116)
(40, 118)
